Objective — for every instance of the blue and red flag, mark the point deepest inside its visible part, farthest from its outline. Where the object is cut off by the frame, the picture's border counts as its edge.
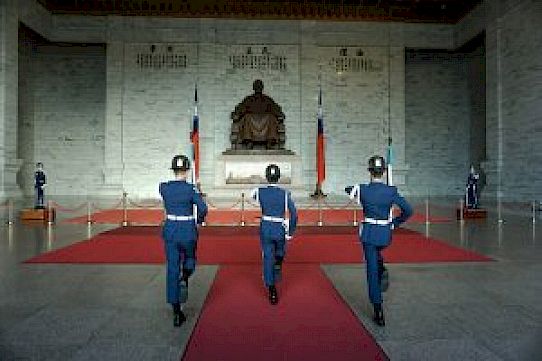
(320, 150)
(194, 139)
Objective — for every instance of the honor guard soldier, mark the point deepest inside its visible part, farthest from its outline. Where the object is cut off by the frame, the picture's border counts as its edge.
(185, 210)
(472, 189)
(377, 199)
(275, 227)
(40, 182)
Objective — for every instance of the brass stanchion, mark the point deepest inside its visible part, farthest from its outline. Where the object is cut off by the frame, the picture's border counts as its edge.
(461, 210)
(242, 209)
(500, 220)
(124, 209)
(355, 221)
(50, 238)
(50, 213)
(320, 221)
(10, 213)
(427, 211)
(89, 230)
(89, 214)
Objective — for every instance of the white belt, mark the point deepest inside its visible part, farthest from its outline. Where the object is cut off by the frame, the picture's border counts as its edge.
(273, 219)
(179, 218)
(380, 222)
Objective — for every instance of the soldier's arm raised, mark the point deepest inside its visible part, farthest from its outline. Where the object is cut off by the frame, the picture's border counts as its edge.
(197, 199)
(293, 214)
(406, 209)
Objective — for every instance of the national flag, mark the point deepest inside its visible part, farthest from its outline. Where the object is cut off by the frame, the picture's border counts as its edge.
(320, 151)
(194, 138)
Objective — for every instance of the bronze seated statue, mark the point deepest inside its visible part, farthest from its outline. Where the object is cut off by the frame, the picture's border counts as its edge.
(258, 122)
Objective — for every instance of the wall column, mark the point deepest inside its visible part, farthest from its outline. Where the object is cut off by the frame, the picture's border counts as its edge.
(9, 164)
(113, 152)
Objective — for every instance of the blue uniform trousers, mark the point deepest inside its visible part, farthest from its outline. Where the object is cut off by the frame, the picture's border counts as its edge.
(271, 249)
(472, 197)
(375, 267)
(39, 197)
(178, 252)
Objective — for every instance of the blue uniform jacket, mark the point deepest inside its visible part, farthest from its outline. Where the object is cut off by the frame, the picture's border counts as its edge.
(271, 199)
(179, 198)
(39, 179)
(376, 199)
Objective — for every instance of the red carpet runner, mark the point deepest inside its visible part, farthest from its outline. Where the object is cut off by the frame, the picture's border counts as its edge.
(227, 245)
(311, 321)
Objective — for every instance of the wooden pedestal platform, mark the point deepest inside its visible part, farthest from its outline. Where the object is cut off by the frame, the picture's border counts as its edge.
(469, 213)
(38, 215)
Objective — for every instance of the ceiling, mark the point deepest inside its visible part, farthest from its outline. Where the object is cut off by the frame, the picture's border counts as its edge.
(432, 11)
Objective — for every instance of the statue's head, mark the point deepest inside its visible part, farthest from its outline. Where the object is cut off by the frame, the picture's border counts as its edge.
(257, 86)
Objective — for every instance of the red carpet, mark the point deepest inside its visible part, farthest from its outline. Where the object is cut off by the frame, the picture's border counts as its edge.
(227, 245)
(233, 217)
(311, 321)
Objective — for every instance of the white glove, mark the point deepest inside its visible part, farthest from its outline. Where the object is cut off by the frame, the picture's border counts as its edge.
(286, 225)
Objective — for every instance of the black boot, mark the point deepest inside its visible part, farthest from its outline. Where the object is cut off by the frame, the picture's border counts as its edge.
(384, 279)
(277, 269)
(273, 295)
(183, 285)
(383, 276)
(378, 317)
(183, 290)
(178, 315)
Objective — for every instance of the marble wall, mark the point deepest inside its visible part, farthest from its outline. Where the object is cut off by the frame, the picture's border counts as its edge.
(97, 106)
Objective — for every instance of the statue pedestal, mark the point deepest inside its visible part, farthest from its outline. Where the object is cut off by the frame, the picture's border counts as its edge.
(240, 171)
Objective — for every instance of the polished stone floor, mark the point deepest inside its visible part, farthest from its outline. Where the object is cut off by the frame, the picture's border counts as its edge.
(453, 311)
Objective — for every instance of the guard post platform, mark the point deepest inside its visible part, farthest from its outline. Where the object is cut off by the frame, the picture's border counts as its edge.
(471, 213)
(34, 215)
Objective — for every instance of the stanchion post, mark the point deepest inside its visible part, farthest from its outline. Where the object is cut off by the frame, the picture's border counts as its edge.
(427, 211)
(461, 210)
(320, 221)
(355, 221)
(10, 220)
(242, 209)
(89, 213)
(124, 209)
(50, 214)
(499, 212)
(534, 212)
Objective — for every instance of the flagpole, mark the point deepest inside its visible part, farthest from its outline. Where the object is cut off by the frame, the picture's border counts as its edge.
(192, 134)
(318, 193)
(194, 137)
(390, 140)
